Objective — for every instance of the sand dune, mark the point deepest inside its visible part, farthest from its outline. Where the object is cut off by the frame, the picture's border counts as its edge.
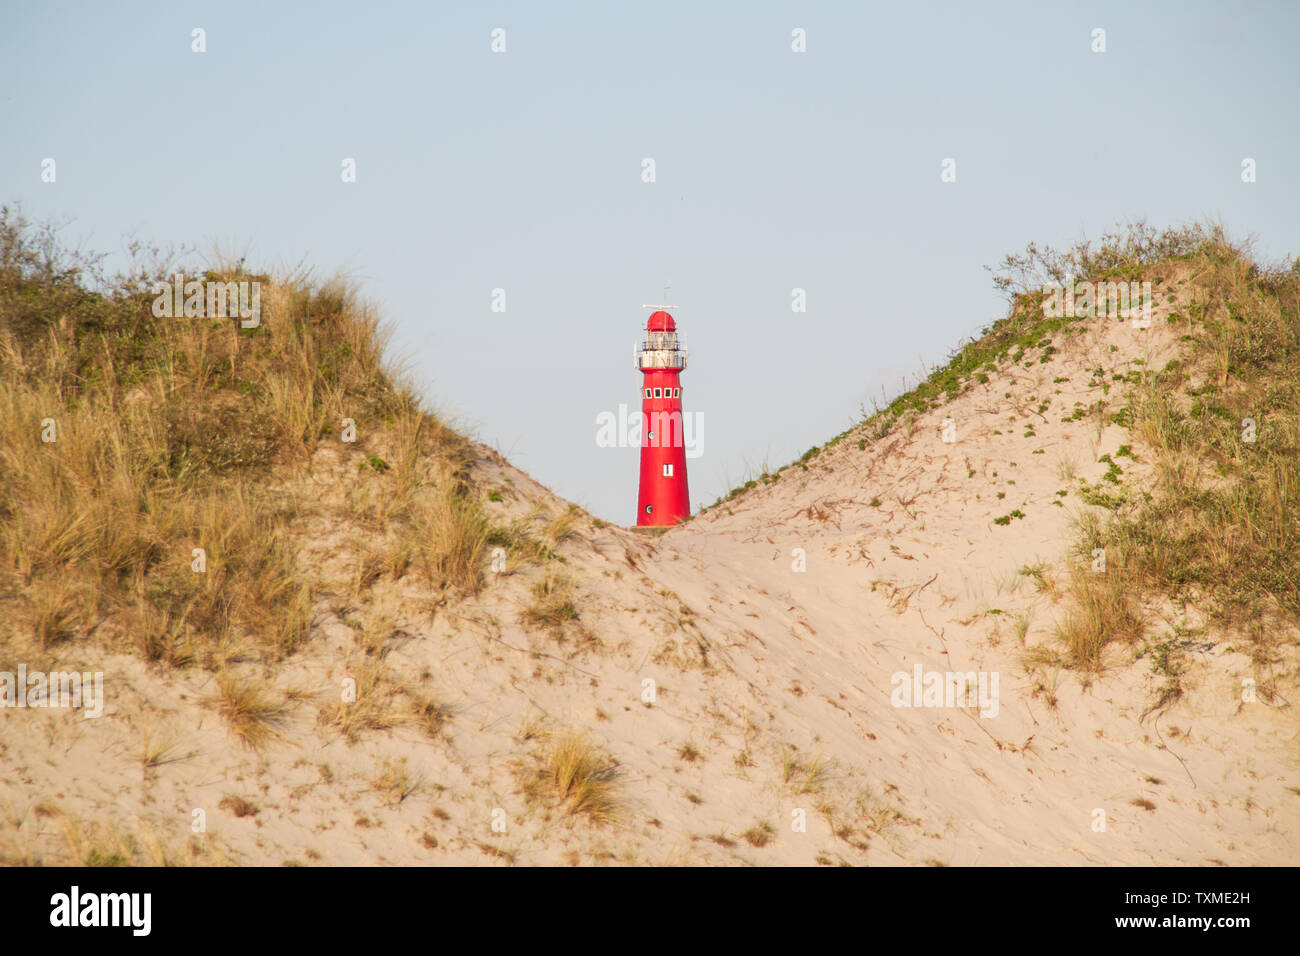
(735, 679)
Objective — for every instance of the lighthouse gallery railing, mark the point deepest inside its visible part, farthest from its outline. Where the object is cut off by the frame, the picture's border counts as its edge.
(660, 350)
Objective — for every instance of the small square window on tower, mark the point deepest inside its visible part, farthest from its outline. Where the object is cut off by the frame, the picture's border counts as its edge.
(668, 471)
(647, 393)
(677, 393)
(659, 393)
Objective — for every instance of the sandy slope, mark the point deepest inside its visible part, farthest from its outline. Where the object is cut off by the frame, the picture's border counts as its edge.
(772, 685)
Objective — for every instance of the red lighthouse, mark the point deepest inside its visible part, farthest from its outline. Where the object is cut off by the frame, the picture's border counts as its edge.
(661, 357)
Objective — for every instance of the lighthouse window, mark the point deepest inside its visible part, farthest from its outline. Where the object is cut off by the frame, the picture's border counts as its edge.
(658, 393)
(677, 393)
(668, 471)
(647, 393)
(649, 509)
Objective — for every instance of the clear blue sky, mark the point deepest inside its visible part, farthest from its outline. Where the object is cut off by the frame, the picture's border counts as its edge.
(775, 170)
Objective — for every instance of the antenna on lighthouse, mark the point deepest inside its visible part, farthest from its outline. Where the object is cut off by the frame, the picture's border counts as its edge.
(665, 307)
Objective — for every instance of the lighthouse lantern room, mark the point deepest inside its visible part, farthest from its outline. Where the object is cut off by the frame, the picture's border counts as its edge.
(661, 357)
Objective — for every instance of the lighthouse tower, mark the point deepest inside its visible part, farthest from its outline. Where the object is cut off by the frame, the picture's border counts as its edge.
(661, 356)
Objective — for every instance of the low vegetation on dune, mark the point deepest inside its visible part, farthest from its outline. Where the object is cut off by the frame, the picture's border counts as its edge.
(144, 459)
(575, 774)
(1220, 527)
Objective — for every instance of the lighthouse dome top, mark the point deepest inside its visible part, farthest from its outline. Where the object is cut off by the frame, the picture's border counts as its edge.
(661, 322)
